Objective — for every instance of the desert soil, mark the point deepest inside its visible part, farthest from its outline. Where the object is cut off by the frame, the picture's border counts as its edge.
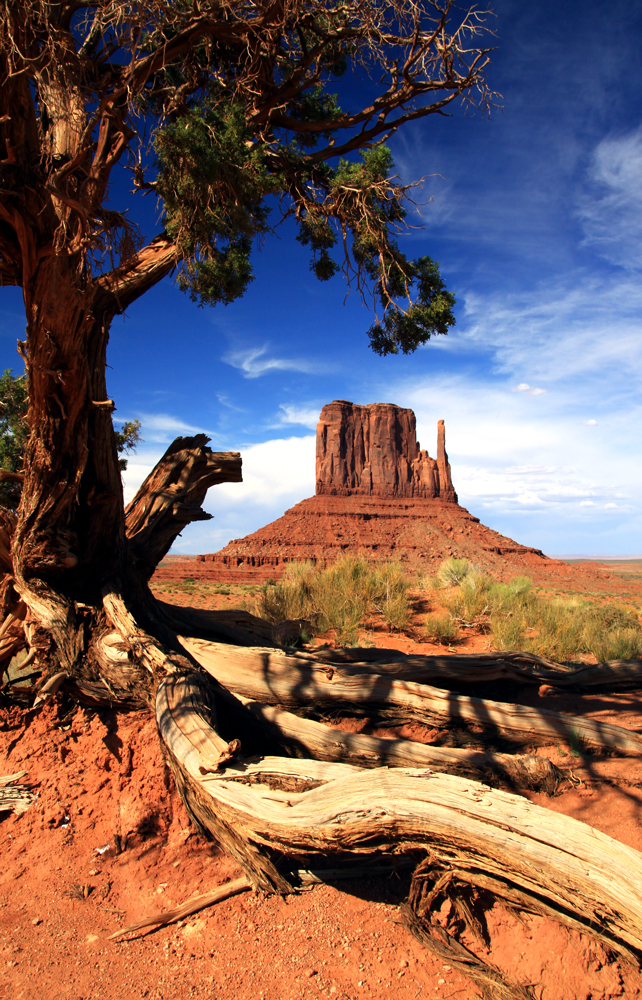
(107, 841)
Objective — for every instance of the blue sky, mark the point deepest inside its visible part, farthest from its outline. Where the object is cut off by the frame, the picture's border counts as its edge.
(536, 219)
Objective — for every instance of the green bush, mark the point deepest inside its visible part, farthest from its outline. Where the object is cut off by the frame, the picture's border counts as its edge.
(441, 628)
(452, 572)
(471, 599)
(338, 597)
(617, 644)
(561, 629)
(508, 631)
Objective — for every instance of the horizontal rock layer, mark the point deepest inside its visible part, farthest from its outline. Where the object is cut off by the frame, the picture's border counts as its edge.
(418, 532)
(373, 451)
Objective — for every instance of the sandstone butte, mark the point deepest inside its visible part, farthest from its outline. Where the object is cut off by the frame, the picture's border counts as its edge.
(377, 493)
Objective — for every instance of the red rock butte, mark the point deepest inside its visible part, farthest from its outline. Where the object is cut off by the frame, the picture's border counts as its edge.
(380, 494)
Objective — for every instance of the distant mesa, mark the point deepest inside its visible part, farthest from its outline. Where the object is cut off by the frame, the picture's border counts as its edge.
(379, 493)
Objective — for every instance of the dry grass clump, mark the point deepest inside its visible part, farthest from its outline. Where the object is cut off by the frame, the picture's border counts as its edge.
(518, 618)
(339, 597)
(451, 572)
(442, 629)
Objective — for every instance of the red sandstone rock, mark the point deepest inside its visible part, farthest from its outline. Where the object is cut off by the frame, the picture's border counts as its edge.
(379, 494)
(419, 532)
(373, 451)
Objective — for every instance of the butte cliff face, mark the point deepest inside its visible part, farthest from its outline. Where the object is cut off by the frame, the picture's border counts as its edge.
(379, 494)
(373, 451)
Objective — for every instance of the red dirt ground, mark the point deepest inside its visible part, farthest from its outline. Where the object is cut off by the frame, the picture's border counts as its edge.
(100, 776)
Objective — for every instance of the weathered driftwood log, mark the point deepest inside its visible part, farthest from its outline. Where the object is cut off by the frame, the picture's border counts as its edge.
(322, 742)
(275, 678)
(527, 856)
(171, 497)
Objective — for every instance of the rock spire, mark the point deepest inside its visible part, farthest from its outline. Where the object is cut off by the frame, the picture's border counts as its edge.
(373, 451)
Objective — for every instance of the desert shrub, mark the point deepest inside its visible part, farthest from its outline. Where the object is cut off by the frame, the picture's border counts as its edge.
(471, 599)
(508, 631)
(441, 628)
(290, 598)
(452, 572)
(338, 597)
(616, 644)
(561, 629)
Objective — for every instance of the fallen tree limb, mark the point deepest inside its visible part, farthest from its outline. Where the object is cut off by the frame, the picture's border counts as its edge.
(273, 677)
(323, 742)
(186, 909)
(527, 856)
(238, 885)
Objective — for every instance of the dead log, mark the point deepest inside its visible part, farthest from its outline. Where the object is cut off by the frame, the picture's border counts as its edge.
(275, 678)
(322, 742)
(171, 497)
(527, 856)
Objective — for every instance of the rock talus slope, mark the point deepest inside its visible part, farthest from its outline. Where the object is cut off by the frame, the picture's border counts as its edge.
(380, 494)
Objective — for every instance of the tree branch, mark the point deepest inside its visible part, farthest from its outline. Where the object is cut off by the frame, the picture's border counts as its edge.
(126, 283)
(171, 497)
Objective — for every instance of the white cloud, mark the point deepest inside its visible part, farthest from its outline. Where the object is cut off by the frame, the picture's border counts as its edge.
(254, 362)
(304, 416)
(591, 423)
(508, 461)
(611, 212)
(581, 328)
(272, 470)
(531, 390)
(163, 427)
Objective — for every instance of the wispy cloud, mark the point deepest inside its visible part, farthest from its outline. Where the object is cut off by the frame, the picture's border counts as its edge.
(582, 327)
(163, 427)
(305, 416)
(255, 361)
(611, 208)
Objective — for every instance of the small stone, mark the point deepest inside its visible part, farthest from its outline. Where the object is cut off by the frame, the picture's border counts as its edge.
(94, 871)
(441, 981)
(448, 968)
(311, 972)
(403, 964)
(36, 921)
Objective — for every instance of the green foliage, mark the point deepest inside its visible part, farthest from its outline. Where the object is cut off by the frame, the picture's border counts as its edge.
(430, 313)
(213, 178)
(441, 628)
(452, 572)
(339, 597)
(471, 599)
(127, 439)
(14, 432)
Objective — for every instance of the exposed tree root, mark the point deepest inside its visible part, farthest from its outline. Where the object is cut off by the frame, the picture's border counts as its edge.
(527, 856)
(322, 742)
(273, 677)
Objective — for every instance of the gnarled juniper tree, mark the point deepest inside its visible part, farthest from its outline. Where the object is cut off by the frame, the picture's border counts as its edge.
(225, 112)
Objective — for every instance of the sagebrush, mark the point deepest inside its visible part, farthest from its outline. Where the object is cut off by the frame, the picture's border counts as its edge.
(338, 597)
